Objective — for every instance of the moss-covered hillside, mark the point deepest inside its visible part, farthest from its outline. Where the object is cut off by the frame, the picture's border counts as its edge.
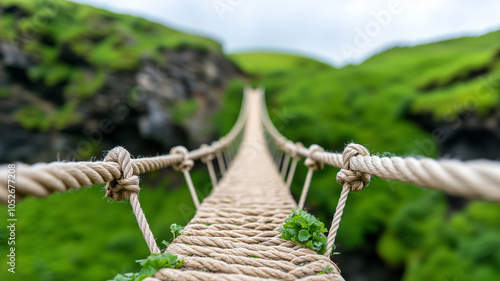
(440, 99)
(64, 67)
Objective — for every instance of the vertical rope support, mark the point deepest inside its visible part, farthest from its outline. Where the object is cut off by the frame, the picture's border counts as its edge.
(190, 184)
(127, 187)
(313, 166)
(226, 157)
(350, 181)
(143, 224)
(295, 160)
(184, 167)
(284, 168)
(220, 161)
(292, 171)
(279, 159)
(305, 188)
(208, 161)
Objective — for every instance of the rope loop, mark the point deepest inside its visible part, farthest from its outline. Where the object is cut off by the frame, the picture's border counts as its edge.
(355, 180)
(209, 153)
(120, 189)
(186, 163)
(313, 164)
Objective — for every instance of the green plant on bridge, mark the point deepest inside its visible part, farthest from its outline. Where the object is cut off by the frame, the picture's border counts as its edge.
(304, 228)
(176, 230)
(150, 265)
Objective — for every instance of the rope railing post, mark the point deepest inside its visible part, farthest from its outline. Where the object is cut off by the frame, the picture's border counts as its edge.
(184, 167)
(284, 168)
(279, 159)
(350, 181)
(312, 166)
(207, 159)
(226, 157)
(218, 155)
(296, 158)
(127, 187)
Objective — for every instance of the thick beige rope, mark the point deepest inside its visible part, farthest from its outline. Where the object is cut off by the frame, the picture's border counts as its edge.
(234, 234)
(312, 165)
(127, 187)
(351, 180)
(479, 179)
(184, 167)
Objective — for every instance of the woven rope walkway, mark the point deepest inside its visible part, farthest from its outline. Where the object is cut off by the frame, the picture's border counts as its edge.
(234, 234)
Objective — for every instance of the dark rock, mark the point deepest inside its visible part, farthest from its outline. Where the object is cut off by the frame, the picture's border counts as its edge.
(132, 108)
(468, 136)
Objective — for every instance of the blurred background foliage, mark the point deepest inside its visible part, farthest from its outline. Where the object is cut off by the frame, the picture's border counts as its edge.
(392, 103)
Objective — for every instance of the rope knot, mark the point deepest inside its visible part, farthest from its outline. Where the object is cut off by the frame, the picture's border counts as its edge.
(208, 153)
(356, 180)
(311, 163)
(120, 189)
(186, 164)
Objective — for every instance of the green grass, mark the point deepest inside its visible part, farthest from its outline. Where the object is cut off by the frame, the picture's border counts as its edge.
(274, 62)
(104, 43)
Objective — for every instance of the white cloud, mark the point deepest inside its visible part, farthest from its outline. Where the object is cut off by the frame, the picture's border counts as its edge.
(316, 28)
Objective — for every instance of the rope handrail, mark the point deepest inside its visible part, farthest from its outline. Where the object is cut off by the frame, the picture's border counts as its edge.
(478, 179)
(42, 179)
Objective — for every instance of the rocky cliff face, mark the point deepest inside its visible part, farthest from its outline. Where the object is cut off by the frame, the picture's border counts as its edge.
(467, 136)
(147, 109)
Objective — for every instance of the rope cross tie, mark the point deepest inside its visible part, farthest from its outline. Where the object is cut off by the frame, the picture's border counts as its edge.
(120, 189)
(209, 154)
(355, 180)
(184, 166)
(127, 187)
(186, 163)
(311, 163)
(350, 181)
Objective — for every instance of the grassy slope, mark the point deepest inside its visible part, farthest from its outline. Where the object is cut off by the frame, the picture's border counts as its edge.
(104, 42)
(79, 235)
(367, 104)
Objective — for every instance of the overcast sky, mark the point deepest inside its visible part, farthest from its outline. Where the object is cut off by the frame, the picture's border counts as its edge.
(337, 32)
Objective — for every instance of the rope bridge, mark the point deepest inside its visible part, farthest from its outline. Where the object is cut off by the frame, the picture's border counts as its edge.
(234, 234)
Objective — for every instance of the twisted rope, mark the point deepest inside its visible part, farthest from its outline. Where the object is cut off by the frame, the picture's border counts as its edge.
(351, 180)
(295, 159)
(207, 159)
(312, 165)
(185, 166)
(127, 187)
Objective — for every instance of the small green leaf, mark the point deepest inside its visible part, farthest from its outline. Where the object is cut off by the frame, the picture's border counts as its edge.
(303, 235)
